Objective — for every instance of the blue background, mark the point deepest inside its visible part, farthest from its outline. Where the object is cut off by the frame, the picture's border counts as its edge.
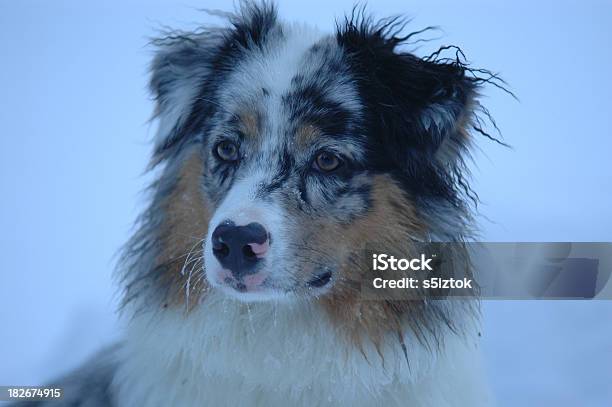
(74, 144)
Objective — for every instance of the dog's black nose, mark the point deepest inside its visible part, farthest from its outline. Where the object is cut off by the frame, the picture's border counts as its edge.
(239, 248)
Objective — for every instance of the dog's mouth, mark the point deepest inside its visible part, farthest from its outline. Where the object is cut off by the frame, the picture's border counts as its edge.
(241, 287)
(320, 280)
(270, 279)
(266, 289)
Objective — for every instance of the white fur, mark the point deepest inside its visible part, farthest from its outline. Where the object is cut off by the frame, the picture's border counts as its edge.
(266, 354)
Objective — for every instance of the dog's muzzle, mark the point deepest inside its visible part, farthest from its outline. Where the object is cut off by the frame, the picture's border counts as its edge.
(240, 249)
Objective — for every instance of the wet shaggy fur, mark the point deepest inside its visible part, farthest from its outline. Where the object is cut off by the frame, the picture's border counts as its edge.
(401, 126)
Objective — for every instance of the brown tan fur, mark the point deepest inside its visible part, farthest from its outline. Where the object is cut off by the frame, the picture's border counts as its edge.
(390, 223)
(306, 135)
(249, 123)
(185, 225)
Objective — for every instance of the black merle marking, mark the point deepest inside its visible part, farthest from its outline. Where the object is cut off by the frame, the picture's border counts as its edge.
(413, 106)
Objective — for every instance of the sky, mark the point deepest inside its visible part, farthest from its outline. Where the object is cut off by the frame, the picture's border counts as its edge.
(74, 142)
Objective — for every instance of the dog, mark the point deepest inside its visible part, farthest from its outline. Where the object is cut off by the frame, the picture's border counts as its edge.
(281, 152)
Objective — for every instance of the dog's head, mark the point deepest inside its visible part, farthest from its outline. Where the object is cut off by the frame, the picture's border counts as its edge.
(286, 150)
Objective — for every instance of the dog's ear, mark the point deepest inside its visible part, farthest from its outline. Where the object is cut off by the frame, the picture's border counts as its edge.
(179, 69)
(415, 105)
(189, 67)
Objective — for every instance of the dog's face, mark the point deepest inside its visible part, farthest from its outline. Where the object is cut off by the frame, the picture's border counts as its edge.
(306, 147)
(285, 163)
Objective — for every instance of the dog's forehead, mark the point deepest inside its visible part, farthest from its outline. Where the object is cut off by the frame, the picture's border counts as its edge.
(294, 91)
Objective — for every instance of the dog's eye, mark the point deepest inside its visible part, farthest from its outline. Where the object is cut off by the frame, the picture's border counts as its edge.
(227, 150)
(327, 162)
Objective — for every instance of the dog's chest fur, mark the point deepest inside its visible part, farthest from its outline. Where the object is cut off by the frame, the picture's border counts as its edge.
(229, 353)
